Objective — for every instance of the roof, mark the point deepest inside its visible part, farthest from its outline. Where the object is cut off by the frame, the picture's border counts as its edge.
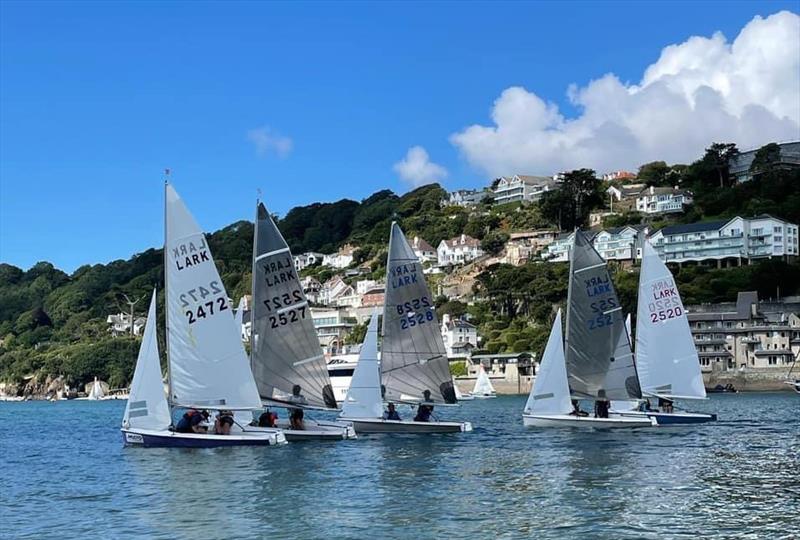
(375, 290)
(463, 240)
(662, 191)
(459, 323)
(781, 352)
(421, 245)
(694, 227)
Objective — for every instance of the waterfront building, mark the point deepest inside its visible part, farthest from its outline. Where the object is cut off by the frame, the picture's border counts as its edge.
(458, 250)
(424, 251)
(333, 326)
(746, 335)
(727, 242)
(460, 337)
(309, 258)
(466, 197)
(663, 200)
(789, 158)
(522, 188)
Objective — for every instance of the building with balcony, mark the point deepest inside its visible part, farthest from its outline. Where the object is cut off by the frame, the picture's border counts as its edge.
(333, 326)
(466, 197)
(458, 250)
(727, 242)
(746, 335)
(789, 158)
(623, 244)
(522, 188)
(663, 200)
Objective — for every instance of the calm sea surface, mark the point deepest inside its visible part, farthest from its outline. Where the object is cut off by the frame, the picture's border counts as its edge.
(65, 474)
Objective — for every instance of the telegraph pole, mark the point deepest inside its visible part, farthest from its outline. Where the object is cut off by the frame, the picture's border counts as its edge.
(131, 304)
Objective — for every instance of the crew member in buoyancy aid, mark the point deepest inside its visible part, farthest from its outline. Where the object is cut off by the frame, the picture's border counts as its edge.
(296, 414)
(268, 419)
(191, 422)
(424, 411)
(601, 405)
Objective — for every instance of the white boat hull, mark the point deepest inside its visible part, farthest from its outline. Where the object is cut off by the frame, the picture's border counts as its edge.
(483, 396)
(315, 430)
(173, 439)
(377, 425)
(566, 420)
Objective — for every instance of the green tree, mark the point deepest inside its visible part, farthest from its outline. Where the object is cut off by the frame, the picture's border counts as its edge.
(653, 173)
(719, 155)
(570, 205)
(494, 242)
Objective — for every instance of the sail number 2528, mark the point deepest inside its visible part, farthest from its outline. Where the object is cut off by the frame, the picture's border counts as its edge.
(409, 311)
(206, 301)
(602, 317)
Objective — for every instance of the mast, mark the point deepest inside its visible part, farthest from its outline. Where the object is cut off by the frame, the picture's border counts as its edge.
(253, 283)
(571, 253)
(166, 301)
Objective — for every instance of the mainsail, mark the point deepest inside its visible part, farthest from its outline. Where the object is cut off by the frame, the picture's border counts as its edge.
(97, 390)
(598, 352)
(483, 385)
(208, 364)
(413, 356)
(666, 358)
(364, 395)
(550, 392)
(147, 405)
(285, 347)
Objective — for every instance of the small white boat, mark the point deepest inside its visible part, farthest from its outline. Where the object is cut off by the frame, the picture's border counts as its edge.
(795, 385)
(483, 386)
(363, 406)
(286, 358)
(460, 396)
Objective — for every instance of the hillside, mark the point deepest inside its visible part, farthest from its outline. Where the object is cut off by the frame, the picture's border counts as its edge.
(54, 324)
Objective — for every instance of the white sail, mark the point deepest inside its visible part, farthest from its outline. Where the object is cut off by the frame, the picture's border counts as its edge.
(238, 316)
(208, 364)
(550, 392)
(666, 358)
(363, 398)
(483, 386)
(147, 406)
(97, 390)
(413, 356)
(459, 395)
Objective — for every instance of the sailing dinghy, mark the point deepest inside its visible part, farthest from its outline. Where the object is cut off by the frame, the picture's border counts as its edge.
(285, 351)
(413, 366)
(96, 393)
(363, 405)
(459, 395)
(666, 358)
(594, 362)
(483, 386)
(207, 364)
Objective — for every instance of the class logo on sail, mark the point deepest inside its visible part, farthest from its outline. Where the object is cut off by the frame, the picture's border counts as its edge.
(188, 254)
(403, 275)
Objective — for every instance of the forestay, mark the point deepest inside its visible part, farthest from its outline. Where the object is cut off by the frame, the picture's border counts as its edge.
(286, 350)
(550, 392)
(208, 364)
(413, 356)
(147, 406)
(666, 357)
(364, 395)
(483, 385)
(598, 352)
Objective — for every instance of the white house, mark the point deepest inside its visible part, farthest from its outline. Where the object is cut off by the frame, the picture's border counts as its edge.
(341, 259)
(423, 250)
(333, 289)
(458, 250)
(309, 258)
(459, 336)
(663, 200)
(617, 244)
(522, 187)
(731, 240)
(312, 289)
(466, 197)
(121, 324)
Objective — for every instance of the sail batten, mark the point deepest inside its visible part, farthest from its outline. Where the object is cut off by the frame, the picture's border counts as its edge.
(666, 357)
(207, 360)
(597, 349)
(413, 355)
(285, 347)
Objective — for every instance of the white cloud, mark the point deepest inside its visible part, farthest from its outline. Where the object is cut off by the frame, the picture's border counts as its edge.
(699, 91)
(267, 141)
(417, 169)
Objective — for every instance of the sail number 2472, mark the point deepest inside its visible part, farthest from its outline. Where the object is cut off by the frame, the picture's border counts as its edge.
(205, 306)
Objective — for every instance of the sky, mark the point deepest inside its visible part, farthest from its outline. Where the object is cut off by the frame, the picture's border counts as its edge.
(322, 101)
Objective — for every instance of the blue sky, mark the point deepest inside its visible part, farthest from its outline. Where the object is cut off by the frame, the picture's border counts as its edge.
(96, 99)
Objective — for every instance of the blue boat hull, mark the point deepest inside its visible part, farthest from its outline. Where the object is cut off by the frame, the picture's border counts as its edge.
(666, 419)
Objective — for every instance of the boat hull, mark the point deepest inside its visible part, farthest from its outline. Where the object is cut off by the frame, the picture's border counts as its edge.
(171, 439)
(315, 431)
(483, 396)
(665, 419)
(376, 425)
(566, 420)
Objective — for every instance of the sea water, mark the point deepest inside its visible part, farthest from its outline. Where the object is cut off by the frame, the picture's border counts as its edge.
(65, 474)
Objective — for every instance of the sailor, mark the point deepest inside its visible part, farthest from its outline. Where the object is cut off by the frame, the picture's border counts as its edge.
(424, 411)
(191, 422)
(576, 409)
(391, 413)
(601, 405)
(296, 414)
(268, 419)
(665, 405)
(223, 423)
